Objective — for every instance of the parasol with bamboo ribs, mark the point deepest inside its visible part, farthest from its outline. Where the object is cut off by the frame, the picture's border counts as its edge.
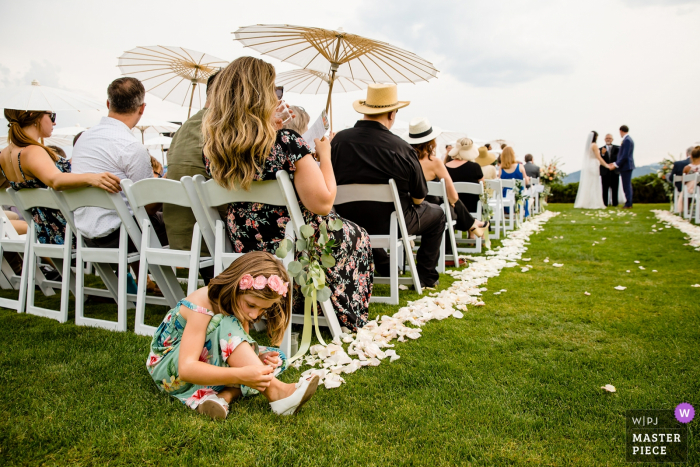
(171, 73)
(337, 53)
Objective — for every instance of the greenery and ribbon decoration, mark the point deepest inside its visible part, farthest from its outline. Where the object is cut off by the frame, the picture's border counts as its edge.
(664, 173)
(520, 198)
(543, 197)
(486, 212)
(309, 273)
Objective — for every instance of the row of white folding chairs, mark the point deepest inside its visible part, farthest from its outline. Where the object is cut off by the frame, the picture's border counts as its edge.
(62, 255)
(690, 200)
(204, 197)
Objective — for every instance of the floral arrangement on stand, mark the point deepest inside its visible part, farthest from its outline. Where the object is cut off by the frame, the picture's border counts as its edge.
(486, 213)
(664, 174)
(550, 173)
(309, 272)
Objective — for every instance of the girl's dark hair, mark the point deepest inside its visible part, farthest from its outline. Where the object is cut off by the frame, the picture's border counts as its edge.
(426, 149)
(595, 136)
(223, 291)
(19, 119)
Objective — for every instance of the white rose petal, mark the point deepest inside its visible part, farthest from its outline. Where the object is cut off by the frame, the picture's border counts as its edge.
(619, 287)
(586, 293)
(609, 388)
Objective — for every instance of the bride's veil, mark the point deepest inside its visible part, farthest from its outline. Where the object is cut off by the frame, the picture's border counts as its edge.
(589, 168)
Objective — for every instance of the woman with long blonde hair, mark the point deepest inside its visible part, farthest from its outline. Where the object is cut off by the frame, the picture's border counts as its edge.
(203, 355)
(512, 169)
(27, 163)
(244, 142)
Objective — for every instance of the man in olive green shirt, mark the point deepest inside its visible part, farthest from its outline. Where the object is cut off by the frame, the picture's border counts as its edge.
(185, 158)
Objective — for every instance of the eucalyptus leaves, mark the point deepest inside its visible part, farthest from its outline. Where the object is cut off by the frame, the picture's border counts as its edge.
(316, 249)
(309, 272)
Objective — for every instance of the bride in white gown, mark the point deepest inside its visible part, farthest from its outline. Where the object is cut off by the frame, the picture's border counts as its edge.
(590, 187)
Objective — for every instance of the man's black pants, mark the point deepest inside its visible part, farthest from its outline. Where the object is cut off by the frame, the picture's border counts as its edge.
(428, 221)
(611, 181)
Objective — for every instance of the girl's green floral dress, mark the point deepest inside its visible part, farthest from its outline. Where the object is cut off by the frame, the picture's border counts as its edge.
(224, 334)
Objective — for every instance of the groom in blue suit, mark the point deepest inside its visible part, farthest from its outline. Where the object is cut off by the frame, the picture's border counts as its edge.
(625, 164)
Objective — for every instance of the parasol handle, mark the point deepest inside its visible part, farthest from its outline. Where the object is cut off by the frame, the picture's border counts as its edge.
(189, 111)
(334, 68)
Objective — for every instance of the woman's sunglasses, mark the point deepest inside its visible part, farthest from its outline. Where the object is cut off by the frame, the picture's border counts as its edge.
(52, 116)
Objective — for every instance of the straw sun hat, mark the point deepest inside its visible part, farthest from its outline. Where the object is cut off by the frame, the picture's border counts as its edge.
(421, 131)
(464, 149)
(485, 157)
(381, 98)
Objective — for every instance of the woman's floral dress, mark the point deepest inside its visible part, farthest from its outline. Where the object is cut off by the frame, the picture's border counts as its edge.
(224, 334)
(49, 223)
(256, 226)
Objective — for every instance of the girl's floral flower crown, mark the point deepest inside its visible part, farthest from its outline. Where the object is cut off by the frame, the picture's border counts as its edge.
(259, 283)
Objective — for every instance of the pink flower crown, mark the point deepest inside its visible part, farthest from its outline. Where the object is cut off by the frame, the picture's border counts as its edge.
(274, 282)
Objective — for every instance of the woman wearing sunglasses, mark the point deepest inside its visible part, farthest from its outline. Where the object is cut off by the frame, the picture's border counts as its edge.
(27, 163)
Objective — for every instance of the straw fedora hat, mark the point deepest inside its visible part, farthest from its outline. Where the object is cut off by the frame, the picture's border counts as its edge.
(421, 131)
(381, 98)
(485, 157)
(464, 149)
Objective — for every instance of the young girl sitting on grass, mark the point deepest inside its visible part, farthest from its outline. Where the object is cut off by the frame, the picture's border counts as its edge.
(203, 355)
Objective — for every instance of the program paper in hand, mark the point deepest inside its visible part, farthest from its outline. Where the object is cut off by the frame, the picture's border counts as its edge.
(317, 130)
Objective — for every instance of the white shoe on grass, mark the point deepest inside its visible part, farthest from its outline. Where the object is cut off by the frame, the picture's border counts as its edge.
(291, 405)
(214, 406)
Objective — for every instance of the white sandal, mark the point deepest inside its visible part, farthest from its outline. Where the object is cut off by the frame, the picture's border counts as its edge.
(214, 406)
(291, 405)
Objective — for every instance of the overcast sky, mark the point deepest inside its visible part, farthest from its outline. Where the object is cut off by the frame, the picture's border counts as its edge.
(539, 73)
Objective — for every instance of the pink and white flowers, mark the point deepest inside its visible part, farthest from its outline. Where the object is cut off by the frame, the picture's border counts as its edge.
(260, 282)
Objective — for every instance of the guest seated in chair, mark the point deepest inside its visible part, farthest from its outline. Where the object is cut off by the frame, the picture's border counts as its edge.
(185, 159)
(510, 169)
(110, 145)
(243, 143)
(435, 170)
(26, 163)
(371, 154)
(464, 168)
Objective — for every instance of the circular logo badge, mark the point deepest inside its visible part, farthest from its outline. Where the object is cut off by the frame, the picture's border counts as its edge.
(684, 412)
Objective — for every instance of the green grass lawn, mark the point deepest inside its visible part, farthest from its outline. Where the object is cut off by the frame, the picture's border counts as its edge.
(514, 382)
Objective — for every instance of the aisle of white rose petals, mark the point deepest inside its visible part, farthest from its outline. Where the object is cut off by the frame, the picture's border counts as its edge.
(372, 344)
(672, 220)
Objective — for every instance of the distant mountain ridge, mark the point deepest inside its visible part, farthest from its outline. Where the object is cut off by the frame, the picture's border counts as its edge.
(638, 172)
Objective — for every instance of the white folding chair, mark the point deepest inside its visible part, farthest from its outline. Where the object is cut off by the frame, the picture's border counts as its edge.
(161, 190)
(60, 254)
(439, 189)
(395, 245)
(496, 203)
(10, 241)
(534, 195)
(102, 258)
(689, 198)
(472, 189)
(207, 196)
(508, 202)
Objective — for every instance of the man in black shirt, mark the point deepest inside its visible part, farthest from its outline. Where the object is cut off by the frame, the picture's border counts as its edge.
(369, 153)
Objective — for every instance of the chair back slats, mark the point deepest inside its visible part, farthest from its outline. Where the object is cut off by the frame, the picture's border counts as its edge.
(510, 183)
(35, 198)
(362, 192)
(435, 189)
(469, 188)
(266, 192)
(156, 190)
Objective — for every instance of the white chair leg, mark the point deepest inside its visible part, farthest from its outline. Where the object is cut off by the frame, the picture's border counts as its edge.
(31, 269)
(441, 259)
(139, 326)
(123, 270)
